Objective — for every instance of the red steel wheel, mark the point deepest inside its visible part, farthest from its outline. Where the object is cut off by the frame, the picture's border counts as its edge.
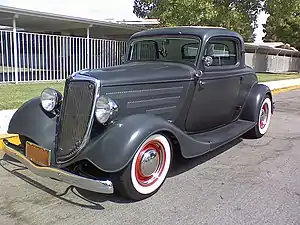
(148, 169)
(150, 164)
(264, 116)
(263, 119)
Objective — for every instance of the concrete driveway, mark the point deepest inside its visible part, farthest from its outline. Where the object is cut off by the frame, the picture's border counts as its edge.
(247, 182)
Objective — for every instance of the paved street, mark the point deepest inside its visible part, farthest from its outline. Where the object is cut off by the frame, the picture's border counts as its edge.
(254, 182)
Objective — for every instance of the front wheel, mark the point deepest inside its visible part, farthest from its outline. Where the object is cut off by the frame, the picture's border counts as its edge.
(263, 119)
(147, 170)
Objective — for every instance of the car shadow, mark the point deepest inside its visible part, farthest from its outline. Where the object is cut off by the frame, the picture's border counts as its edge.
(181, 165)
(93, 199)
(90, 204)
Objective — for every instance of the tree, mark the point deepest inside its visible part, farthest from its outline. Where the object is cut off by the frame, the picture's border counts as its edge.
(283, 24)
(237, 15)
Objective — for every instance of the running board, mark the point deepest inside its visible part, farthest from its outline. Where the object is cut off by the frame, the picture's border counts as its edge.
(221, 136)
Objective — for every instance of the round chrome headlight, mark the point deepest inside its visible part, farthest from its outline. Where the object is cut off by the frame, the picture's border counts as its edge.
(105, 108)
(49, 99)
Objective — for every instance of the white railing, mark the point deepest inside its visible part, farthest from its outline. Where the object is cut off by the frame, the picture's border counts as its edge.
(43, 57)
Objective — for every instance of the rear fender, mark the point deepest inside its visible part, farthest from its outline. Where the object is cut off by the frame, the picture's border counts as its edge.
(32, 121)
(254, 99)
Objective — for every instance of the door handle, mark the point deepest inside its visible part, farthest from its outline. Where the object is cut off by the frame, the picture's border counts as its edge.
(201, 83)
(198, 76)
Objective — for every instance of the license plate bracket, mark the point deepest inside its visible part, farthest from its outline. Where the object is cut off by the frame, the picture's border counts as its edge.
(37, 154)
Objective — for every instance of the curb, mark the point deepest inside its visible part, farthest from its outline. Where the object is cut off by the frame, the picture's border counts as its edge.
(282, 90)
(278, 84)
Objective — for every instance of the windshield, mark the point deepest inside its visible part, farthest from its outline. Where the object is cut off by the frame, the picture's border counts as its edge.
(177, 49)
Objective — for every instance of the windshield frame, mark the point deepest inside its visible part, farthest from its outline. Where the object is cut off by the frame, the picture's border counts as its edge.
(177, 36)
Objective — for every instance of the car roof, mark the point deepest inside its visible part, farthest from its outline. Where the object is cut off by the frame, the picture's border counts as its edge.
(200, 31)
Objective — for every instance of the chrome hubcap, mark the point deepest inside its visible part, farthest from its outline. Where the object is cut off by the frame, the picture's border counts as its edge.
(149, 163)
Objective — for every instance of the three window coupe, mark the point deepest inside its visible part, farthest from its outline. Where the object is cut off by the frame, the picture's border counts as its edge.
(184, 90)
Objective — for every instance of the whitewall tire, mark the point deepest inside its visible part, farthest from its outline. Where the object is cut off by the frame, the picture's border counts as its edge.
(264, 116)
(148, 169)
(263, 119)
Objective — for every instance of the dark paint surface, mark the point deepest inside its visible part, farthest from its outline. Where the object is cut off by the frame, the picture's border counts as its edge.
(213, 103)
(115, 148)
(161, 97)
(33, 122)
(220, 99)
(253, 102)
(203, 33)
(142, 72)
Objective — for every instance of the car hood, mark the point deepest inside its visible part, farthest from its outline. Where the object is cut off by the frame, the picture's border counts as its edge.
(141, 72)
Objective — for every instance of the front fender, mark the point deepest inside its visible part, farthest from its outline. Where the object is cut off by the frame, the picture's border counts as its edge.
(32, 121)
(254, 99)
(113, 150)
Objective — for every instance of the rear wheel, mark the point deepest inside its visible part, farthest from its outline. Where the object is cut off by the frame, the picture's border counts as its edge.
(263, 119)
(147, 170)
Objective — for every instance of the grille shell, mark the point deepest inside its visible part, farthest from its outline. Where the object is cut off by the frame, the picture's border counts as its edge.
(75, 117)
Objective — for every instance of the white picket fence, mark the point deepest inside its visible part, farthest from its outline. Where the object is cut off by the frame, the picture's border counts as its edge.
(43, 57)
(28, 57)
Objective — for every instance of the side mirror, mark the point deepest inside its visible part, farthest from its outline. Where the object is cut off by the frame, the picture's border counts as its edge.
(208, 60)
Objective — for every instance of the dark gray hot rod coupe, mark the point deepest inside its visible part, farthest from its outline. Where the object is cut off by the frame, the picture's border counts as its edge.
(182, 90)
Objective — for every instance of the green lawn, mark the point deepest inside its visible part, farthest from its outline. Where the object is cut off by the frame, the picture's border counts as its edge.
(264, 77)
(13, 96)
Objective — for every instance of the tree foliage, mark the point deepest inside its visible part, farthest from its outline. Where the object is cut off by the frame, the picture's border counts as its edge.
(237, 15)
(283, 24)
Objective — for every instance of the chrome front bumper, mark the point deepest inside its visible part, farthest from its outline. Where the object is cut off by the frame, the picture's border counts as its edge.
(100, 186)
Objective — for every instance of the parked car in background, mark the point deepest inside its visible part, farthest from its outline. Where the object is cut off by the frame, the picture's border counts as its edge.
(183, 90)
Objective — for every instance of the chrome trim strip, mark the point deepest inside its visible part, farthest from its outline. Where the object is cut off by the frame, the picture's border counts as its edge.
(78, 76)
(99, 186)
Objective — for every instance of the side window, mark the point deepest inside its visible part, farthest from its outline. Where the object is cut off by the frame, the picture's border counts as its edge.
(223, 52)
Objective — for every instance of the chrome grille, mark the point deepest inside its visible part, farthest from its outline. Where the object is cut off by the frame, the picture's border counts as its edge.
(74, 120)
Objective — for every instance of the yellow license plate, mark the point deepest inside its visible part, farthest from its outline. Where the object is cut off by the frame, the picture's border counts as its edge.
(37, 154)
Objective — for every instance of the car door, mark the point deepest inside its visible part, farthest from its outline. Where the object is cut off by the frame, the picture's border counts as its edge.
(217, 88)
